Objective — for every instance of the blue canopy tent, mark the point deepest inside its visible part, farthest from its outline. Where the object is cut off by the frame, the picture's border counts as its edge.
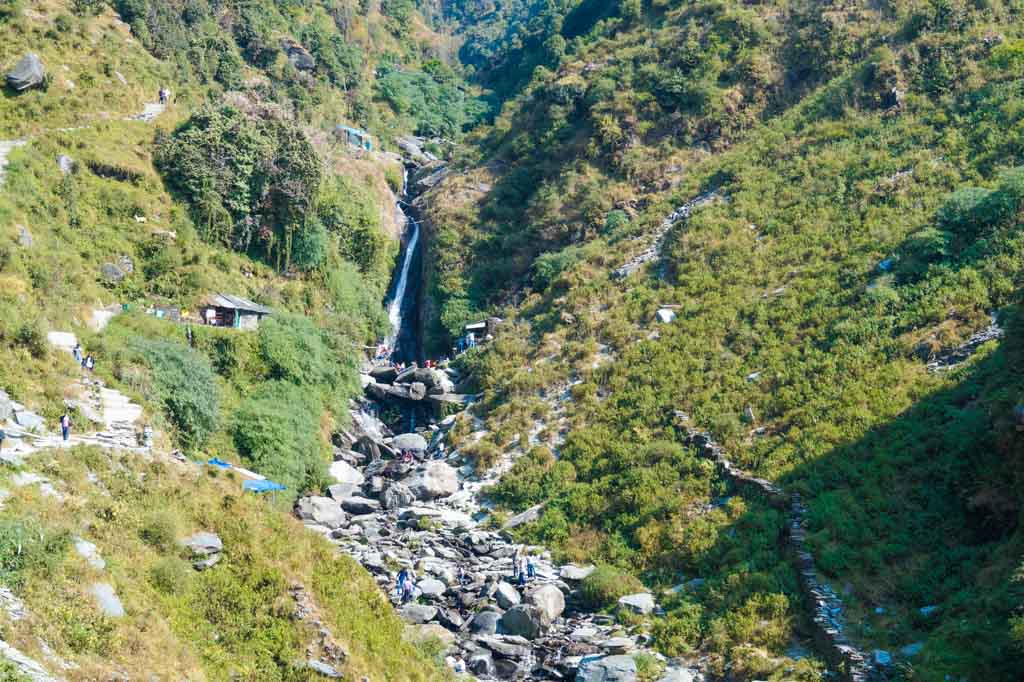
(263, 486)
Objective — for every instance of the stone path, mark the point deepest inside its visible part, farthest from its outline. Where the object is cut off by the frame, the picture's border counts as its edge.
(150, 111)
(654, 250)
(949, 359)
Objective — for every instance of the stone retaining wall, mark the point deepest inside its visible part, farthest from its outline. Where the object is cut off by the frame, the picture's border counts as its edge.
(830, 635)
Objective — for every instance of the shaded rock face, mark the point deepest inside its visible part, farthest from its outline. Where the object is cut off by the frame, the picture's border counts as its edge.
(524, 620)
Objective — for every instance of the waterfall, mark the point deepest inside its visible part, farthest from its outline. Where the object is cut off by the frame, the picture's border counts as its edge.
(401, 305)
(395, 311)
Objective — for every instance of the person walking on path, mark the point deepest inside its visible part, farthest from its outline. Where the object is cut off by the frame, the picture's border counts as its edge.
(77, 353)
(522, 574)
(90, 363)
(531, 569)
(3, 434)
(65, 426)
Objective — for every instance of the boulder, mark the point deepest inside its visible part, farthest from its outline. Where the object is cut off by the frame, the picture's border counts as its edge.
(202, 544)
(25, 237)
(450, 619)
(507, 596)
(418, 613)
(574, 572)
(397, 495)
(65, 163)
(504, 648)
(360, 505)
(481, 664)
(485, 622)
(606, 669)
(324, 669)
(88, 551)
(431, 587)
(321, 510)
(434, 480)
(298, 55)
(27, 73)
(524, 620)
(339, 491)
(522, 518)
(112, 273)
(107, 599)
(429, 631)
(343, 472)
(384, 374)
(409, 441)
(417, 391)
(29, 420)
(618, 645)
(549, 599)
(642, 602)
(6, 409)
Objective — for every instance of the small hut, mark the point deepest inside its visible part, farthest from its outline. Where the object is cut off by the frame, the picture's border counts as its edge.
(355, 137)
(224, 310)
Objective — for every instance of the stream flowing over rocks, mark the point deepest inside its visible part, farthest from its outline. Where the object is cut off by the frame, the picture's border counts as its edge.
(424, 516)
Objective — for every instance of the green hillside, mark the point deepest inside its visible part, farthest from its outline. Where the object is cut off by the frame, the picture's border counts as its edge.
(111, 203)
(864, 163)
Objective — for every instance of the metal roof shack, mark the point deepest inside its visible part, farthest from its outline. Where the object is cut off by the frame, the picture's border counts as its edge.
(355, 137)
(225, 310)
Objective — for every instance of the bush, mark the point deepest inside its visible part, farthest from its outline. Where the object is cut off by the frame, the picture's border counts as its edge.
(602, 588)
(294, 350)
(549, 266)
(678, 633)
(26, 546)
(484, 454)
(186, 386)
(160, 530)
(277, 431)
(170, 575)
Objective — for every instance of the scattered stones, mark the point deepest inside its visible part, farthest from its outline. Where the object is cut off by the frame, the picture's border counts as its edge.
(107, 600)
(324, 669)
(88, 551)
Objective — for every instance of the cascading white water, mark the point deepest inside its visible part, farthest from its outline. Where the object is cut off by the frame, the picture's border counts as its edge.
(397, 306)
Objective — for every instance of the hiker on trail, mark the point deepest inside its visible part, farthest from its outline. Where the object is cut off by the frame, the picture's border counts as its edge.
(407, 590)
(531, 569)
(77, 353)
(65, 426)
(165, 95)
(188, 336)
(439, 454)
(403, 575)
(3, 434)
(89, 363)
(463, 576)
(522, 574)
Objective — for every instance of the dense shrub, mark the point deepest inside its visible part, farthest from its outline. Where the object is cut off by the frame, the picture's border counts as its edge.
(185, 385)
(295, 351)
(277, 431)
(160, 530)
(602, 588)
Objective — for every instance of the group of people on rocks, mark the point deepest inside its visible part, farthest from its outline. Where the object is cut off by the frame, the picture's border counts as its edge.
(407, 456)
(384, 354)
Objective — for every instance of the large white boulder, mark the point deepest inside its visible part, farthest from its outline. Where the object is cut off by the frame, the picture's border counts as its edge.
(343, 472)
(549, 599)
(642, 602)
(433, 480)
(321, 510)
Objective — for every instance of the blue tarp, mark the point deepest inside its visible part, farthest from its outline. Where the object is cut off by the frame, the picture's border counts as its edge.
(263, 486)
(219, 463)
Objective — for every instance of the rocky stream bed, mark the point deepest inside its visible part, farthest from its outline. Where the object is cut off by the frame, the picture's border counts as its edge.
(427, 516)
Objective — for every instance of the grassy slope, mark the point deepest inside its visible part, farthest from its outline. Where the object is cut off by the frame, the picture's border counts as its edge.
(911, 477)
(230, 621)
(81, 221)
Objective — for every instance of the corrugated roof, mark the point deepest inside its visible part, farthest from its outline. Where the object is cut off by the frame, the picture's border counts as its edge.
(236, 303)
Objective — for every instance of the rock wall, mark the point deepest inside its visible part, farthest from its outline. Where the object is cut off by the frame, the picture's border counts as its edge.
(825, 605)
